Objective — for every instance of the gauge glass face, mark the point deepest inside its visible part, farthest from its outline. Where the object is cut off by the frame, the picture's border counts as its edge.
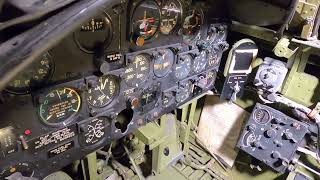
(137, 70)
(148, 97)
(262, 116)
(167, 99)
(192, 23)
(33, 76)
(59, 106)
(103, 92)
(211, 77)
(94, 130)
(163, 63)
(146, 20)
(183, 66)
(213, 59)
(184, 92)
(200, 62)
(170, 15)
(95, 35)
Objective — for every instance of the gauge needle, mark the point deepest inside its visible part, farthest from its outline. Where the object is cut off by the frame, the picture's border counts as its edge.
(58, 95)
(145, 21)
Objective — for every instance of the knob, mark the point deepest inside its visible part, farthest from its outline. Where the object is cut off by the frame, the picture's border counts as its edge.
(276, 155)
(289, 136)
(270, 133)
(257, 144)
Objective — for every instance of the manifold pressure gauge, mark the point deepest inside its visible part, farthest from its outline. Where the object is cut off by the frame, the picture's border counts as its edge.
(59, 106)
(103, 92)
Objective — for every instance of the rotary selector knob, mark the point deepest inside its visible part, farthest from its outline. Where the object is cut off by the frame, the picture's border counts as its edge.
(276, 155)
(271, 133)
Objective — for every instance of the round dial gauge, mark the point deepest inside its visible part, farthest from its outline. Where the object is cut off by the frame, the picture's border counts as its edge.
(200, 62)
(137, 70)
(170, 16)
(213, 59)
(211, 77)
(94, 130)
(184, 92)
(59, 106)
(163, 63)
(103, 92)
(183, 66)
(167, 99)
(262, 116)
(145, 21)
(95, 35)
(192, 24)
(33, 76)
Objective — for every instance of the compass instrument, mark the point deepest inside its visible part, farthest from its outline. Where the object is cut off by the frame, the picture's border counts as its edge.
(163, 62)
(137, 71)
(103, 92)
(170, 16)
(94, 35)
(183, 66)
(59, 106)
(145, 22)
(33, 76)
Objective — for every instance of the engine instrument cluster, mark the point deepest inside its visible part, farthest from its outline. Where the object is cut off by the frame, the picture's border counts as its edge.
(97, 86)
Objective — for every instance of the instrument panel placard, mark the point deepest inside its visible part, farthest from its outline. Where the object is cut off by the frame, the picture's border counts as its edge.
(53, 138)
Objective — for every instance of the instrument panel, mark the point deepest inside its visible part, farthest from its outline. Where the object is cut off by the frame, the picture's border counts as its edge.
(110, 77)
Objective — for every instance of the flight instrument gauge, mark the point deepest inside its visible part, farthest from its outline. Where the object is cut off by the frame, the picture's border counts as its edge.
(163, 62)
(33, 76)
(138, 70)
(94, 35)
(171, 14)
(59, 106)
(183, 66)
(200, 62)
(192, 24)
(145, 21)
(102, 92)
(213, 59)
(94, 130)
(184, 91)
(167, 99)
(211, 77)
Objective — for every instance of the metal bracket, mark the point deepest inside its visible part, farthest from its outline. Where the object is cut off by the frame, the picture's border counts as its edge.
(308, 11)
(282, 49)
